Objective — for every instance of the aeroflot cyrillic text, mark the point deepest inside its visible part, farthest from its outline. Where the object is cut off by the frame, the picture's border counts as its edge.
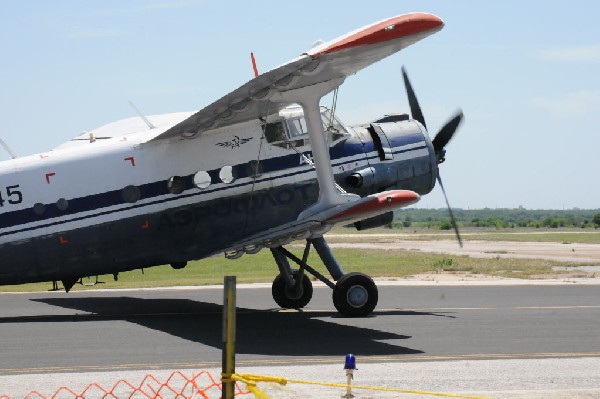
(226, 206)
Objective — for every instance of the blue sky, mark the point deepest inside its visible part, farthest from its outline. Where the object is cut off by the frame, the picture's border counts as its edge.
(526, 74)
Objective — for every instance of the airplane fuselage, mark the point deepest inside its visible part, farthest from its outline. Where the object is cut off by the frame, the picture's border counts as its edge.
(104, 205)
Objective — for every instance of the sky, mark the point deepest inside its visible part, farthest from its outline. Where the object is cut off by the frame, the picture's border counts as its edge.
(525, 73)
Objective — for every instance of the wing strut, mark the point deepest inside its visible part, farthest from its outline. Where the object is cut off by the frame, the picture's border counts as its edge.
(309, 99)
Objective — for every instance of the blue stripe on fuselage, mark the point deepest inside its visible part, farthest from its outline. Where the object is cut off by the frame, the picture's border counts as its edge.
(159, 188)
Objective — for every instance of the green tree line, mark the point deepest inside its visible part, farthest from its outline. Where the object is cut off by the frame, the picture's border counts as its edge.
(497, 218)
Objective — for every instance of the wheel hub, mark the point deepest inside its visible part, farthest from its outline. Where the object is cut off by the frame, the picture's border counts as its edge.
(357, 296)
(294, 292)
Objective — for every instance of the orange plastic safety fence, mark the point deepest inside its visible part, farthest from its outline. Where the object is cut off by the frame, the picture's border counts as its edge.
(177, 385)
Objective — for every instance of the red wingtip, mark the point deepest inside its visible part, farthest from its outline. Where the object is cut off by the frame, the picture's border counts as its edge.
(390, 29)
(378, 203)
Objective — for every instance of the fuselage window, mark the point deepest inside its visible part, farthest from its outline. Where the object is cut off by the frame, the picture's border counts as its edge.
(62, 204)
(226, 174)
(131, 194)
(39, 208)
(176, 185)
(202, 179)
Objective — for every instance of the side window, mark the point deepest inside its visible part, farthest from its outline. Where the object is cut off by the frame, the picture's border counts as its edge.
(131, 194)
(176, 185)
(202, 179)
(226, 174)
(62, 204)
(274, 132)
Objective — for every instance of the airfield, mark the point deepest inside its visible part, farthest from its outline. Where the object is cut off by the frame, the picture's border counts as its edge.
(446, 332)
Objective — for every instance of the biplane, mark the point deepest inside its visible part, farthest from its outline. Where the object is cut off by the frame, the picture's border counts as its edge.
(258, 169)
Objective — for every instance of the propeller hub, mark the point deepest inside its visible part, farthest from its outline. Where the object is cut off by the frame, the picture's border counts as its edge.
(441, 156)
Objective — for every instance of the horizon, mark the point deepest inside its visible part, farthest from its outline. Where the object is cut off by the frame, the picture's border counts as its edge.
(503, 209)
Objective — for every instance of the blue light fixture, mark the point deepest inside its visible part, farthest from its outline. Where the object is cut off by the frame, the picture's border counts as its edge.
(350, 362)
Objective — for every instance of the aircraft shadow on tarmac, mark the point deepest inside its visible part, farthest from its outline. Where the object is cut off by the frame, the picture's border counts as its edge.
(258, 331)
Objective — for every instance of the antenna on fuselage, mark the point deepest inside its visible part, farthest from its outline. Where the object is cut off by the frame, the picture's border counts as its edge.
(146, 121)
(7, 148)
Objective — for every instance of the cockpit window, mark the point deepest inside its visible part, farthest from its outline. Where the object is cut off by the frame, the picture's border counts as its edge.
(275, 132)
(297, 127)
(287, 134)
(293, 131)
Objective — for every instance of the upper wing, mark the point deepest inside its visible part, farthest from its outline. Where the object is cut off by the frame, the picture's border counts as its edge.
(332, 60)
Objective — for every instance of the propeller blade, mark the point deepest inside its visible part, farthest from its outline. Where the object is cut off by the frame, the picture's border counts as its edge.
(439, 142)
(446, 132)
(415, 109)
(452, 219)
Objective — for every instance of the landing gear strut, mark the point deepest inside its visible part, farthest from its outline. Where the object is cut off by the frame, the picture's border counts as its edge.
(294, 297)
(354, 294)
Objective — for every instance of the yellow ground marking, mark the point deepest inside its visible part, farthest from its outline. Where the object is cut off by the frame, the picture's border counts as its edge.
(251, 381)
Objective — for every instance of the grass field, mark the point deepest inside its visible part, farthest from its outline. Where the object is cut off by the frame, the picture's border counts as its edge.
(589, 236)
(377, 263)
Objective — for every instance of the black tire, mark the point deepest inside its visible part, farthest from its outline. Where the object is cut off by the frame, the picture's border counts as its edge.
(285, 297)
(355, 295)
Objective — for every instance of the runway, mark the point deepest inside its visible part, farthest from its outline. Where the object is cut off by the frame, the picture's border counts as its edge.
(170, 329)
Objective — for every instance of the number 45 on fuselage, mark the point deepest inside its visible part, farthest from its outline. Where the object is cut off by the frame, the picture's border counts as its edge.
(263, 166)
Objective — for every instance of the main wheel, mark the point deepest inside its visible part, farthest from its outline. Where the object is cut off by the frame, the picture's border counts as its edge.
(289, 298)
(355, 295)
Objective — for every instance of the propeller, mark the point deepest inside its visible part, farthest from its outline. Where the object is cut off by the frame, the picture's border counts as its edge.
(452, 219)
(441, 139)
(415, 109)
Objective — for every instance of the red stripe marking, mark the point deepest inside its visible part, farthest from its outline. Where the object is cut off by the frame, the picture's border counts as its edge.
(48, 176)
(62, 240)
(380, 203)
(130, 159)
(390, 29)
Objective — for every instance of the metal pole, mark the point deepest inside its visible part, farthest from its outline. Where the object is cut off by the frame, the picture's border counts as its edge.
(349, 366)
(228, 368)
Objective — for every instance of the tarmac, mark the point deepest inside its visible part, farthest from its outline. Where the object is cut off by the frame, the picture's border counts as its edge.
(509, 377)
(496, 378)
(475, 376)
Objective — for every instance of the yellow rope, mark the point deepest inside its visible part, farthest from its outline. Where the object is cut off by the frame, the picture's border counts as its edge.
(251, 380)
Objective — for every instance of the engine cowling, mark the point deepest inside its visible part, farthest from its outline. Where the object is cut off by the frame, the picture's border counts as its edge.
(405, 158)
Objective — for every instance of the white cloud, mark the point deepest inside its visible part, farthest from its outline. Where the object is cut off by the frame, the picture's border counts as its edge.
(589, 53)
(576, 103)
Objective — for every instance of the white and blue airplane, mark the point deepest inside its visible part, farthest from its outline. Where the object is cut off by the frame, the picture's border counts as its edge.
(259, 168)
